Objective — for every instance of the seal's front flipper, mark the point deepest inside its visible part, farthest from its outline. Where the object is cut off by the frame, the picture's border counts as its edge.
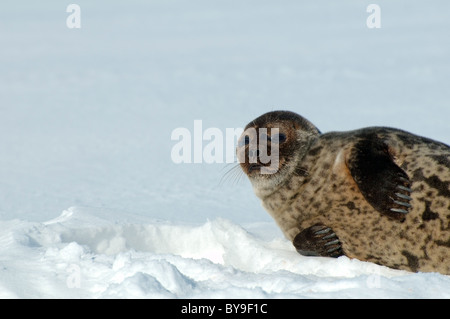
(318, 240)
(383, 184)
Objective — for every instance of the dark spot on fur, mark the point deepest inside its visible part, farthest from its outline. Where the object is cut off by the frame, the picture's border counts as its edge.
(418, 175)
(442, 187)
(410, 140)
(407, 139)
(350, 205)
(428, 214)
(441, 159)
(402, 235)
(314, 151)
(301, 171)
(413, 261)
(424, 249)
(434, 182)
(443, 243)
(294, 196)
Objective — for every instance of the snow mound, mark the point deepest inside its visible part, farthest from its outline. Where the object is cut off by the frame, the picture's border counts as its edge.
(81, 254)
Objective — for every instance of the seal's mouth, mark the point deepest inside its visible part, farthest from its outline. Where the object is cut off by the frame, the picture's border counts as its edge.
(254, 167)
(253, 170)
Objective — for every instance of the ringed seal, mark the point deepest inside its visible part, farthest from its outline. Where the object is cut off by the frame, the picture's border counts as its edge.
(376, 194)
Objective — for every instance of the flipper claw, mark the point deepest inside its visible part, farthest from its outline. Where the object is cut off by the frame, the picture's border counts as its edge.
(318, 240)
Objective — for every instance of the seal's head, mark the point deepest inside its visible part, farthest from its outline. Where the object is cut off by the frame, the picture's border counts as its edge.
(272, 146)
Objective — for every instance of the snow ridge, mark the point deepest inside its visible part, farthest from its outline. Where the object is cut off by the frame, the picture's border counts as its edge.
(81, 255)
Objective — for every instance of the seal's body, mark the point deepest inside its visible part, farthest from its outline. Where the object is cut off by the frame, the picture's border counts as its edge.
(376, 194)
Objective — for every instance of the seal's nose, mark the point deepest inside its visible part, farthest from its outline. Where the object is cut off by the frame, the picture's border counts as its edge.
(253, 153)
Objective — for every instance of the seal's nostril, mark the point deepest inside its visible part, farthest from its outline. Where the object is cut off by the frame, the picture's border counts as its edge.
(253, 153)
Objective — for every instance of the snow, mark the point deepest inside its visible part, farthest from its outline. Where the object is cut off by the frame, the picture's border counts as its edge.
(79, 254)
(91, 204)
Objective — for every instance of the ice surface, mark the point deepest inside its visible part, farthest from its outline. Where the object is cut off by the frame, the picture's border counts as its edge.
(81, 255)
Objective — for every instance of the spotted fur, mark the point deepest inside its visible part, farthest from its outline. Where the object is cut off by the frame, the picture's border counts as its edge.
(330, 183)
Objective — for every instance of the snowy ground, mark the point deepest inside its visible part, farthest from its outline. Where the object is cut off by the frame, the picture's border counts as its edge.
(91, 205)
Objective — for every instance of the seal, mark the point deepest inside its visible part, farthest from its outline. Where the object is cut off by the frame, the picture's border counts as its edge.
(376, 194)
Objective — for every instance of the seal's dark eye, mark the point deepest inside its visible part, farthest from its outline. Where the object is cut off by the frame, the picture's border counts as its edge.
(244, 141)
(278, 138)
